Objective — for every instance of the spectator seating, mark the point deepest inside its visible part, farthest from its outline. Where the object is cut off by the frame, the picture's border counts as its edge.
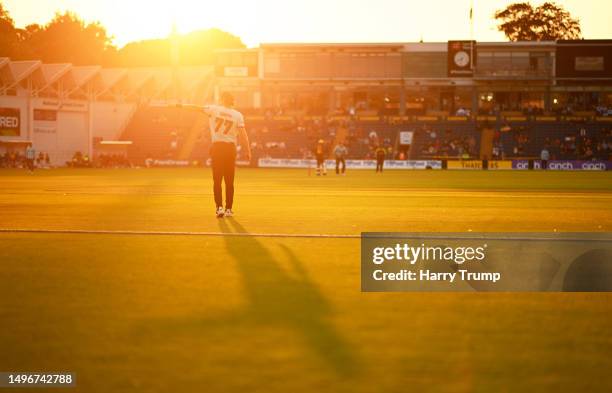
(160, 133)
(157, 132)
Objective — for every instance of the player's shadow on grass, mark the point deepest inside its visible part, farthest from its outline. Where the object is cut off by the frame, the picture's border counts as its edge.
(278, 299)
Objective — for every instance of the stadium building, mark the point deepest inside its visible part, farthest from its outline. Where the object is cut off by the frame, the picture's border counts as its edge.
(63, 109)
(458, 99)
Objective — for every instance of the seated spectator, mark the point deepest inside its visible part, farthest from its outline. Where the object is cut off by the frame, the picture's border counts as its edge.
(462, 112)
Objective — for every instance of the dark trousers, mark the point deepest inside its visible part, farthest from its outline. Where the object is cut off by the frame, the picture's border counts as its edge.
(320, 160)
(379, 164)
(223, 156)
(340, 160)
(320, 164)
(30, 164)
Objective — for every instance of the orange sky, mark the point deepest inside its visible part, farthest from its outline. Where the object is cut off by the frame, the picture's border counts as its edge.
(258, 21)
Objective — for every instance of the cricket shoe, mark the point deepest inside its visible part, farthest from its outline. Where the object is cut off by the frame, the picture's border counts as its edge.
(229, 213)
(220, 212)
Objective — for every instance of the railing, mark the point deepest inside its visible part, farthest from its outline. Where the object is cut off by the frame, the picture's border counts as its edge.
(512, 73)
(449, 118)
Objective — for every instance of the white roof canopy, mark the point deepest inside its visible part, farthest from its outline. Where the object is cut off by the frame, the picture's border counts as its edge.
(65, 80)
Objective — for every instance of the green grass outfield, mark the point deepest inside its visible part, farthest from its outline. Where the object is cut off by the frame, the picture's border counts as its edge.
(188, 313)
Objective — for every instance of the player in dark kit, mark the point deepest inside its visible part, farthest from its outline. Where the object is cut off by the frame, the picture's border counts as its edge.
(321, 154)
(380, 158)
(226, 130)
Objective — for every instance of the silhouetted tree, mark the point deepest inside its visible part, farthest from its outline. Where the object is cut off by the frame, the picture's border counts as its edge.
(67, 38)
(9, 39)
(548, 22)
(195, 48)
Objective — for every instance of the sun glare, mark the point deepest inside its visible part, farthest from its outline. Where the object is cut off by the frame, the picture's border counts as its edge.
(313, 21)
(191, 15)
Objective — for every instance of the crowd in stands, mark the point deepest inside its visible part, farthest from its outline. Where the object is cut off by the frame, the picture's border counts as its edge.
(463, 112)
(383, 111)
(569, 110)
(574, 145)
(103, 160)
(79, 160)
(16, 159)
(582, 146)
(296, 138)
(112, 161)
(602, 110)
(448, 144)
(264, 145)
(373, 142)
(530, 111)
(518, 145)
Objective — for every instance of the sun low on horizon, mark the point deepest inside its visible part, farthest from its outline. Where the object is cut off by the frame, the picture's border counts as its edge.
(262, 21)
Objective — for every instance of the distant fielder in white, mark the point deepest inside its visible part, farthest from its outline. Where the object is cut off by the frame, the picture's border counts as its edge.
(226, 131)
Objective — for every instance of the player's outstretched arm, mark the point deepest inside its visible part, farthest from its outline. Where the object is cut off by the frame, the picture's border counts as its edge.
(190, 107)
(195, 108)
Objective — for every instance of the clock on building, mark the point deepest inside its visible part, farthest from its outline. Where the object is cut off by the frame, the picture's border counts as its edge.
(462, 58)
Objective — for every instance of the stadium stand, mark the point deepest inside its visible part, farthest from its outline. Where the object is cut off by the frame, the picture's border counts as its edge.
(158, 132)
(362, 94)
(63, 109)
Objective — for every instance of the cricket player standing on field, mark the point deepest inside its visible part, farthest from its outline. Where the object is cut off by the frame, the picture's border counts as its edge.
(340, 151)
(30, 156)
(320, 154)
(380, 158)
(226, 131)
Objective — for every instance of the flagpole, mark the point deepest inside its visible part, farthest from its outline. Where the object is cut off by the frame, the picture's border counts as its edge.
(472, 20)
(472, 34)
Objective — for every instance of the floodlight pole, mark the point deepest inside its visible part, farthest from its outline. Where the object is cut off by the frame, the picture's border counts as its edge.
(174, 62)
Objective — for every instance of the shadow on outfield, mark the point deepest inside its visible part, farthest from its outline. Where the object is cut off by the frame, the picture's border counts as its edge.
(279, 299)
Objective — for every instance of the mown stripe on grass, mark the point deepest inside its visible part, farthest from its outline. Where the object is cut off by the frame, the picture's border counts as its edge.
(604, 237)
(174, 233)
